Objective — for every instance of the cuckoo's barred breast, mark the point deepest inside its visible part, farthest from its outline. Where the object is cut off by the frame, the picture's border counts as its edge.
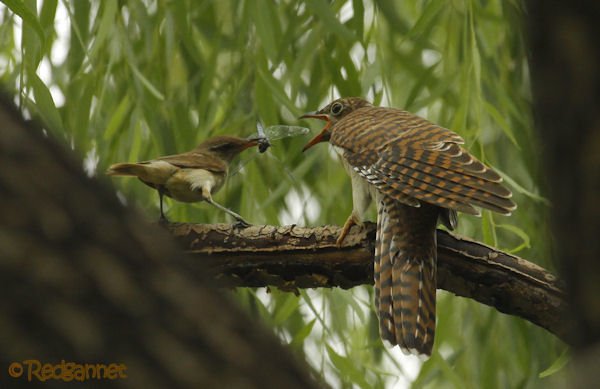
(414, 160)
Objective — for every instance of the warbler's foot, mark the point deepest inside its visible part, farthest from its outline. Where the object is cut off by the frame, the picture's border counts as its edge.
(241, 223)
(163, 221)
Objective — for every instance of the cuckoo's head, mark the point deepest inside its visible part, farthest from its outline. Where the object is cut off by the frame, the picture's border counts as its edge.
(331, 114)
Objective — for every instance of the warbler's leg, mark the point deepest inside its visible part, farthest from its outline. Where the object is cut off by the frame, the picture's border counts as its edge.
(240, 220)
(162, 219)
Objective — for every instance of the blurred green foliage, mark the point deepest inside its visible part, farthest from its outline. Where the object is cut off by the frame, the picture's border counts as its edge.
(130, 80)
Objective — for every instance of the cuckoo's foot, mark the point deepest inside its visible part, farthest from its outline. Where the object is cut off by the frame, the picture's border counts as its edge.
(349, 223)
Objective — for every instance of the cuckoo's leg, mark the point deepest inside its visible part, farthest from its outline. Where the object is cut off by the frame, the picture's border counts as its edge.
(352, 220)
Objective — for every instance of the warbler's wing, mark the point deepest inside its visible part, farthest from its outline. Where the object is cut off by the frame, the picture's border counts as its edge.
(196, 160)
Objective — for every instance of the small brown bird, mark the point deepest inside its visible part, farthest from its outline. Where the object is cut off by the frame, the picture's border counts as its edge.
(192, 176)
(418, 174)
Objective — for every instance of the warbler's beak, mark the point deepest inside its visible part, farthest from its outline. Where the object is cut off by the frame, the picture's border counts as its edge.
(324, 135)
(250, 142)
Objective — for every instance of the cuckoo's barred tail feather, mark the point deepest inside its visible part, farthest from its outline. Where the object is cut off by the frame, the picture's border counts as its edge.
(405, 275)
(383, 277)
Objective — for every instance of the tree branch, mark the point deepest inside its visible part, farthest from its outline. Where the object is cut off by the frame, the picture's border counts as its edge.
(293, 257)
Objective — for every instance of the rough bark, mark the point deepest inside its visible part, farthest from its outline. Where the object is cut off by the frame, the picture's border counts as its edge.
(295, 257)
(86, 281)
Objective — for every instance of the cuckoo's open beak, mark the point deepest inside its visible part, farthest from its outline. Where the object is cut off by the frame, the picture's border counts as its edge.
(324, 135)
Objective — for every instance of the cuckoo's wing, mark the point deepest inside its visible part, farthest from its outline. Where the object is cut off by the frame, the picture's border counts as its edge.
(412, 160)
(441, 172)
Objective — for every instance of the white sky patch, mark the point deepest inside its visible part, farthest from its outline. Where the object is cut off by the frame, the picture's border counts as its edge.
(301, 206)
(287, 88)
(305, 76)
(57, 96)
(151, 6)
(90, 162)
(62, 25)
(371, 52)
(333, 154)
(346, 12)
(357, 54)
(121, 197)
(335, 94)
(370, 95)
(369, 14)
(194, 117)
(411, 365)
(58, 52)
(423, 112)
(5, 65)
(279, 71)
(263, 296)
(445, 351)
(344, 73)
(385, 100)
(44, 71)
(430, 57)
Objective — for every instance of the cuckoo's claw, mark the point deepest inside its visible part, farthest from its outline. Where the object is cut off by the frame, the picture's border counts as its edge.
(349, 223)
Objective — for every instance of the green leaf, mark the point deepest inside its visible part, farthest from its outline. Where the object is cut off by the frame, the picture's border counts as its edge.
(557, 365)
(488, 228)
(266, 28)
(118, 117)
(427, 18)
(520, 233)
(501, 121)
(302, 334)
(521, 189)
(146, 83)
(276, 89)
(322, 10)
(346, 367)
(284, 311)
(28, 16)
(109, 12)
(45, 106)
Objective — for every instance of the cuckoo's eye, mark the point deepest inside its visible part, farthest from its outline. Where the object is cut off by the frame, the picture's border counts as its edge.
(337, 108)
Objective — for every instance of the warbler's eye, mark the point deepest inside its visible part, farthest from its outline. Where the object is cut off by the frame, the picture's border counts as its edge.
(336, 108)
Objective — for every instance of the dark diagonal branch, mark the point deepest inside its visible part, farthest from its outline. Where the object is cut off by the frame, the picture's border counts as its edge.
(297, 257)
